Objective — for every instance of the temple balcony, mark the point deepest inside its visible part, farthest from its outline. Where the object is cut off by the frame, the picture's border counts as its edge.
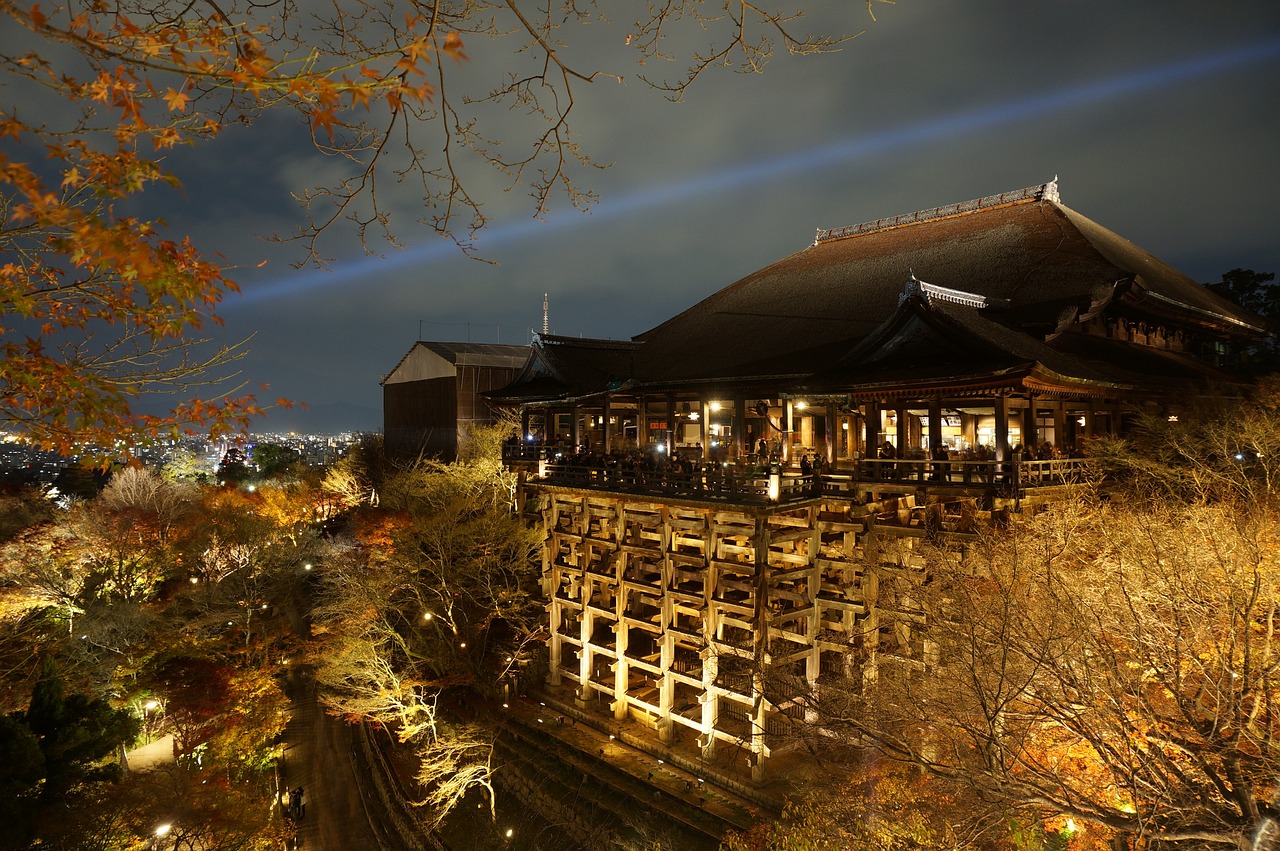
(752, 484)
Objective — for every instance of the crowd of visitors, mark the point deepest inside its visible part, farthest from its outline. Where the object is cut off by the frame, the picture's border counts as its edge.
(694, 465)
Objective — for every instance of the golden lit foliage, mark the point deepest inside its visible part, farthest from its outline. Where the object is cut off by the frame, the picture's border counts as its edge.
(1109, 662)
(886, 806)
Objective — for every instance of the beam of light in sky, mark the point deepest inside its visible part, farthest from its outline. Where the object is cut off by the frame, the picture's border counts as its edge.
(787, 165)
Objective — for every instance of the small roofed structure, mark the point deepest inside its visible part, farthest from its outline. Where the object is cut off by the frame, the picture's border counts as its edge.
(437, 390)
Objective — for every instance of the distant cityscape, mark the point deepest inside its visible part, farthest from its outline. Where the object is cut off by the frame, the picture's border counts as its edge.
(23, 464)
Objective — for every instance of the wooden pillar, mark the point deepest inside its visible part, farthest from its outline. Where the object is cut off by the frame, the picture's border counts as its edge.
(642, 424)
(606, 430)
(901, 432)
(788, 417)
(555, 609)
(704, 426)
(760, 649)
(935, 424)
(586, 626)
(1030, 435)
(621, 667)
(740, 448)
(575, 433)
(872, 428)
(1001, 403)
(833, 433)
(671, 425)
(710, 702)
(1059, 424)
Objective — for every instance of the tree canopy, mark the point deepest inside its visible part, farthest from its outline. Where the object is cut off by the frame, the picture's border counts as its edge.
(99, 306)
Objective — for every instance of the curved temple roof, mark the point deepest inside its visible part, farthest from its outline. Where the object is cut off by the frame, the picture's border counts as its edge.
(1023, 259)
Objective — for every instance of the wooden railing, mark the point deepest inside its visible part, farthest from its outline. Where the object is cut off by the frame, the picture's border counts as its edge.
(713, 482)
(752, 485)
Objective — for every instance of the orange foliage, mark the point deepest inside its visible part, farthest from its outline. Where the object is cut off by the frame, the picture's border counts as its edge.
(97, 307)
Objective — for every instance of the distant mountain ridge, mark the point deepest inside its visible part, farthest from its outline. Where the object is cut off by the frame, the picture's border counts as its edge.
(327, 418)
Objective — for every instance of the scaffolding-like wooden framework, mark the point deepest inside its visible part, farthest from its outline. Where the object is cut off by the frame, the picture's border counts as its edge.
(721, 622)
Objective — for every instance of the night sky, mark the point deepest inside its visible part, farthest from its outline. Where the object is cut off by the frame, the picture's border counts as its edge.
(1159, 117)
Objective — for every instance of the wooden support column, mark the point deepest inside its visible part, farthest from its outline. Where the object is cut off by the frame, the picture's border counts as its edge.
(586, 626)
(555, 609)
(666, 686)
(788, 417)
(740, 448)
(1059, 424)
(524, 426)
(833, 433)
(710, 630)
(872, 426)
(671, 425)
(606, 429)
(1030, 434)
(621, 665)
(642, 424)
(704, 426)
(575, 433)
(710, 702)
(813, 623)
(901, 432)
(1001, 403)
(935, 424)
(622, 632)
(759, 751)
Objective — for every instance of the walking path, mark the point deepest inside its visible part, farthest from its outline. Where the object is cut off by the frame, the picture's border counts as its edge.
(321, 755)
(675, 787)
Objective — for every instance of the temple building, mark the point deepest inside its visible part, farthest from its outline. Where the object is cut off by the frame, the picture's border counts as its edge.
(738, 491)
(435, 393)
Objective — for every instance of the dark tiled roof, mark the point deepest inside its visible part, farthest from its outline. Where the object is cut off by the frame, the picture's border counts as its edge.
(1049, 262)
(566, 367)
(477, 353)
(935, 343)
(468, 354)
(1010, 278)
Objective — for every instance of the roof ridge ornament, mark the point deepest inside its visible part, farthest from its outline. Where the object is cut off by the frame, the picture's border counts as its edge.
(932, 292)
(1042, 192)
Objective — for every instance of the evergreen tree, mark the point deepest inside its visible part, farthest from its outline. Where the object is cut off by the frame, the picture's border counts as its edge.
(75, 733)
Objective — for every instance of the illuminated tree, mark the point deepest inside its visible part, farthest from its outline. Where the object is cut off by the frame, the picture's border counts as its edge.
(1112, 661)
(455, 759)
(433, 600)
(884, 806)
(100, 306)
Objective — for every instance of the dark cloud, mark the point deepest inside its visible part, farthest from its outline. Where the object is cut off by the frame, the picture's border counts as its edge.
(1159, 118)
